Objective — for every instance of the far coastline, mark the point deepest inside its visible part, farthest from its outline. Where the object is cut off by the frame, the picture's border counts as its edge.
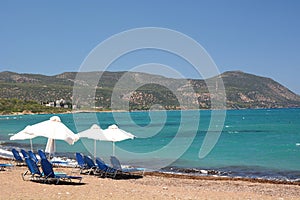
(69, 111)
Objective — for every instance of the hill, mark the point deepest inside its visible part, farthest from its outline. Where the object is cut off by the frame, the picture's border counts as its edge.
(243, 90)
(250, 91)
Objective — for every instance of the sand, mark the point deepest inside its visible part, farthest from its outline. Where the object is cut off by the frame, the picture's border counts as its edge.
(151, 186)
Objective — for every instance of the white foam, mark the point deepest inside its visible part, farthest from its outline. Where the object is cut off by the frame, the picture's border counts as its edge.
(64, 161)
(5, 153)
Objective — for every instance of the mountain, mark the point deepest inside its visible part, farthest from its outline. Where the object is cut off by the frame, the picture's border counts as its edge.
(251, 91)
(242, 90)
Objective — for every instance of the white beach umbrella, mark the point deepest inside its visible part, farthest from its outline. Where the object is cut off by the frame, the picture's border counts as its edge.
(114, 134)
(23, 135)
(95, 133)
(53, 129)
(50, 146)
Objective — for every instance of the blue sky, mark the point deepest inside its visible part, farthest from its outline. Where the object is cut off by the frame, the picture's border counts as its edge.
(255, 36)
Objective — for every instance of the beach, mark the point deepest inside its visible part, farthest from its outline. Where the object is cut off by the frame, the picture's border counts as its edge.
(247, 151)
(151, 186)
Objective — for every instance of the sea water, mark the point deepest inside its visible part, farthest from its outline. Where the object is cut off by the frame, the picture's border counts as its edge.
(253, 143)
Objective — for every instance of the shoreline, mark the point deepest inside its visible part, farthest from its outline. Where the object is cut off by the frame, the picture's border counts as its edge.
(208, 177)
(151, 186)
(108, 111)
(222, 178)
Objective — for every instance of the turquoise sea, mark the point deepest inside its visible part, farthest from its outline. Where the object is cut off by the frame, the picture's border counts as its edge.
(253, 143)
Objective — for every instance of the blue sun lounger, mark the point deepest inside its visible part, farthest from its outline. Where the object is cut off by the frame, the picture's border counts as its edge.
(117, 165)
(33, 169)
(4, 165)
(50, 176)
(91, 167)
(17, 157)
(33, 156)
(80, 162)
(104, 170)
(42, 155)
(24, 153)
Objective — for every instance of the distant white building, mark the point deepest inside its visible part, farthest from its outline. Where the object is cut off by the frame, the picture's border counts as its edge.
(50, 104)
(58, 104)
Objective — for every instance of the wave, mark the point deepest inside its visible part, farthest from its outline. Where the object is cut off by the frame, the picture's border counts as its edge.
(245, 172)
(6, 154)
(238, 172)
(62, 160)
(232, 132)
(10, 117)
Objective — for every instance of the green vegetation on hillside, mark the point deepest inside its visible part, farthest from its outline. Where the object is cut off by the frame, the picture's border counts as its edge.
(242, 91)
(12, 106)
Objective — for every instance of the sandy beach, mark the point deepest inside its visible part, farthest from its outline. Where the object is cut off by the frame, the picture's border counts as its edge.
(151, 186)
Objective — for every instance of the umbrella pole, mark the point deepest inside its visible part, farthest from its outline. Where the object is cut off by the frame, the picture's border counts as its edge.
(31, 145)
(113, 148)
(54, 147)
(95, 149)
